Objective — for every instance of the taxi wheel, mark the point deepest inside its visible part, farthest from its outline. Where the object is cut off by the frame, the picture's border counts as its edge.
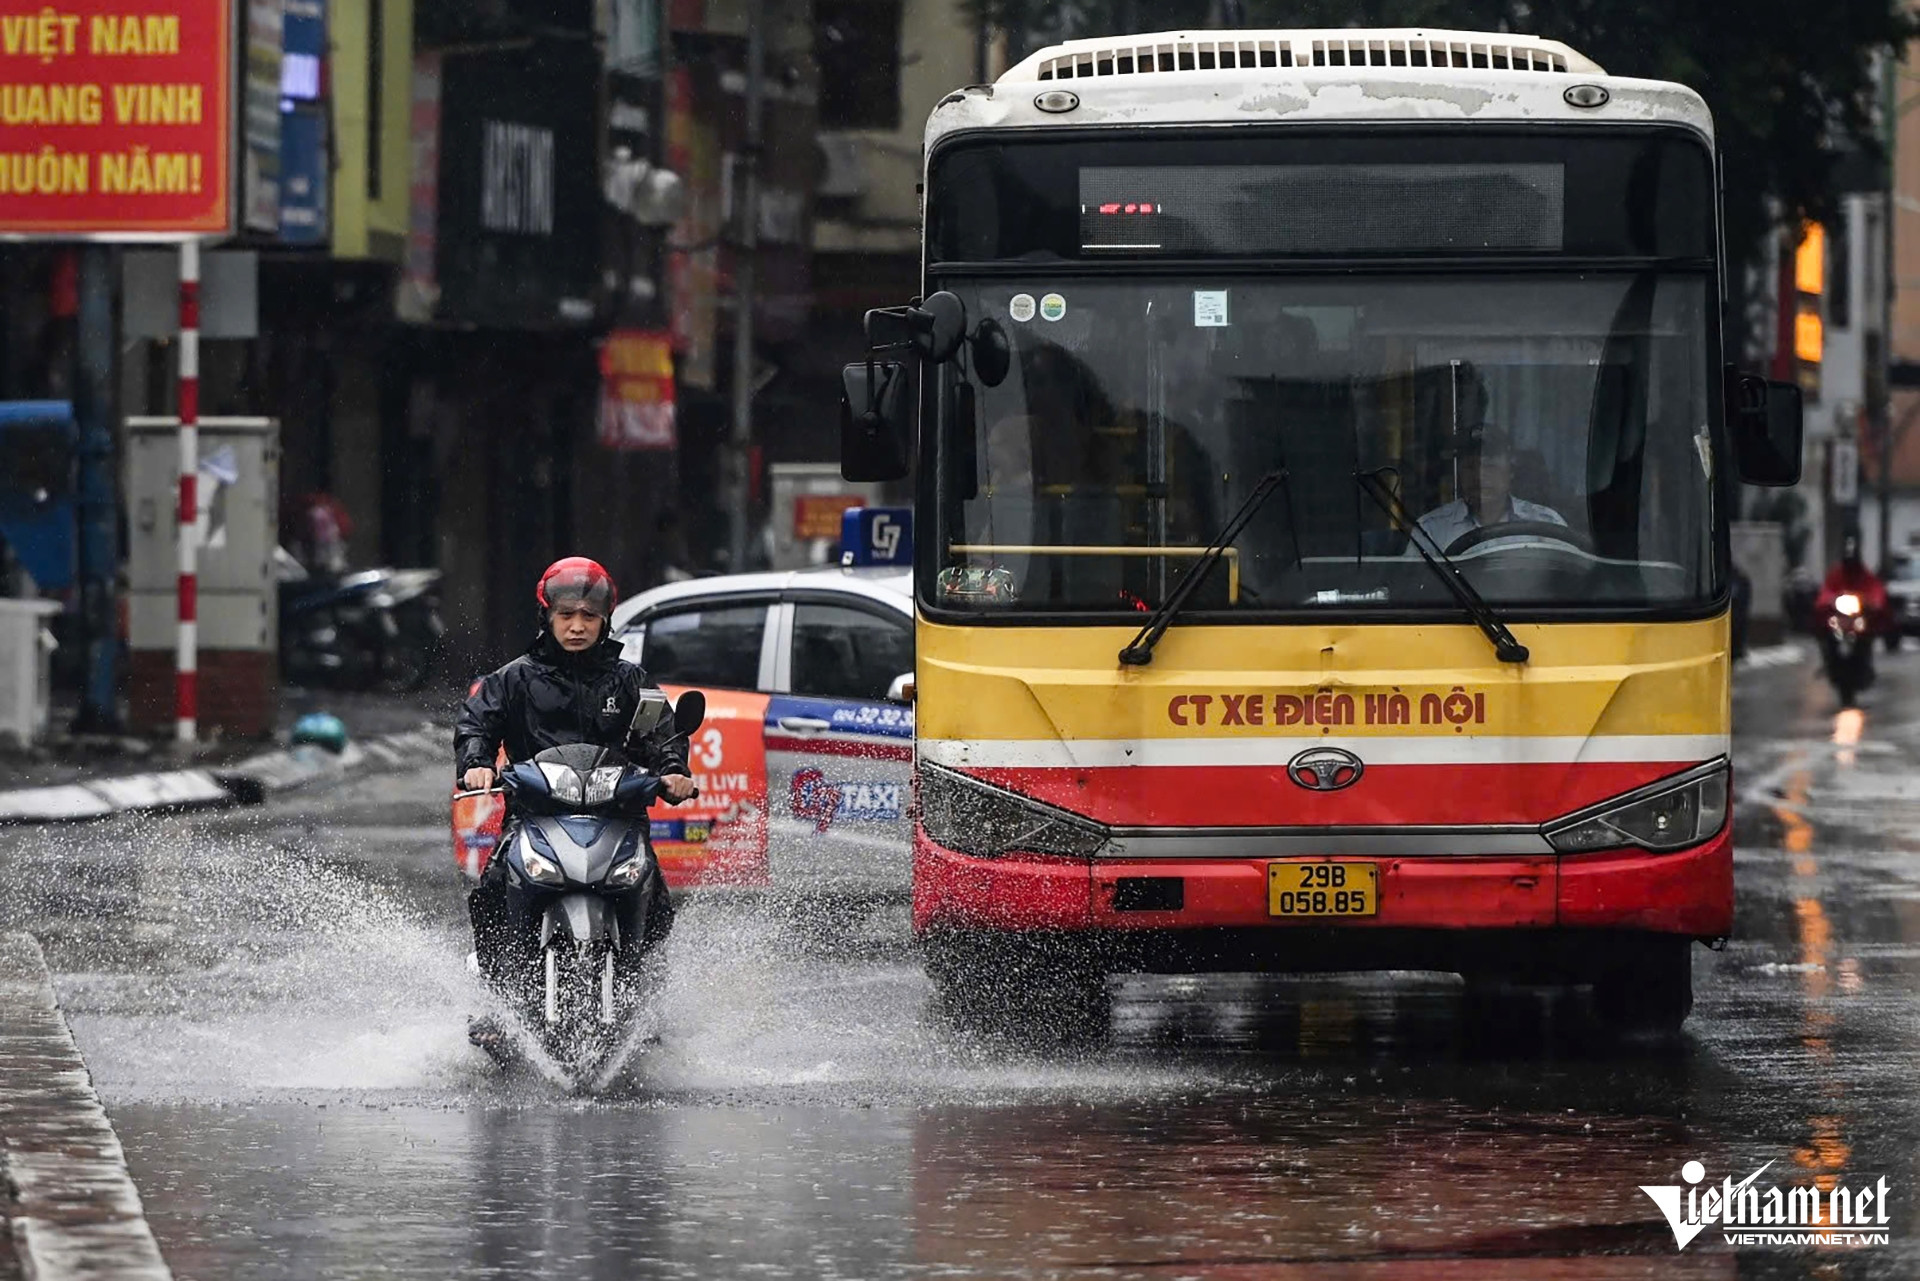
(1651, 993)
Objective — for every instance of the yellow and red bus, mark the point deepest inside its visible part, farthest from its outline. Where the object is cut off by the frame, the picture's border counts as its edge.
(1324, 455)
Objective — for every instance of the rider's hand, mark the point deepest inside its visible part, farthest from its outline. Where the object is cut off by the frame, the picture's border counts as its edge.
(679, 786)
(477, 779)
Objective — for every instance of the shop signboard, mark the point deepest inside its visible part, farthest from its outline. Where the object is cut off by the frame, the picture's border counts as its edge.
(636, 390)
(518, 190)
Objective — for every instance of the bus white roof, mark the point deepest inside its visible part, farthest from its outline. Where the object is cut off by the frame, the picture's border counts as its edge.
(1349, 74)
(1348, 47)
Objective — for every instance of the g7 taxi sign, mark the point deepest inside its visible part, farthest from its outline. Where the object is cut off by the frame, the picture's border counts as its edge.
(876, 536)
(116, 118)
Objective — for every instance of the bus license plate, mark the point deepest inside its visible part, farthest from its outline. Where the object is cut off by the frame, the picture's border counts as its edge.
(1323, 889)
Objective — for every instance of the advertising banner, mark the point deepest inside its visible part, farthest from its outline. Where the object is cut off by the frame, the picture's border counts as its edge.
(636, 390)
(419, 292)
(116, 118)
(720, 836)
(303, 174)
(261, 129)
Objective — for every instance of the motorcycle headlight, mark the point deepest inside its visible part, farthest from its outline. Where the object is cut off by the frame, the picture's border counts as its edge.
(977, 818)
(601, 784)
(540, 869)
(625, 876)
(563, 784)
(1669, 815)
(1848, 604)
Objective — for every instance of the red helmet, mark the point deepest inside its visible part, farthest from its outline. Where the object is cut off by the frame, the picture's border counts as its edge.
(577, 581)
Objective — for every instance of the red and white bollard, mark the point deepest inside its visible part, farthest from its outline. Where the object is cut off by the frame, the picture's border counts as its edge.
(186, 680)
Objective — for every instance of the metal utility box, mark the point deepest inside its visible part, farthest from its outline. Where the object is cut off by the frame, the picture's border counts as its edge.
(238, 606)
(26, 693)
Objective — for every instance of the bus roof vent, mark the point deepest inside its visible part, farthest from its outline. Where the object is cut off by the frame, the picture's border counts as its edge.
(1155, 54)
(1173, 52)
(1495, 55)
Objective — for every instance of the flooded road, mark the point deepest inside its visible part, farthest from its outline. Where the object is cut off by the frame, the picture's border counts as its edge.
(274, 1003)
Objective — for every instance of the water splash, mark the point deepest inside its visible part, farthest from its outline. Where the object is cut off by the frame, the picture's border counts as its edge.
(222, 963)
(202, 968)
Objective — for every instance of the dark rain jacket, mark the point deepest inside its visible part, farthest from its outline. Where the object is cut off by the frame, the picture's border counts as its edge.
(548, 698)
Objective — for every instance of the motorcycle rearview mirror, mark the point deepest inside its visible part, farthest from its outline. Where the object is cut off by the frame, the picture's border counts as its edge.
(992, 354)
(690, 712)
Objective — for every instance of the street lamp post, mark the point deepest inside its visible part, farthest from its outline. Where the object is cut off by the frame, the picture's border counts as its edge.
(746, 252)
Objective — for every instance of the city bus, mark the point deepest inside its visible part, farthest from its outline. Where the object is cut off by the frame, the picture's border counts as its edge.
(1323, 453)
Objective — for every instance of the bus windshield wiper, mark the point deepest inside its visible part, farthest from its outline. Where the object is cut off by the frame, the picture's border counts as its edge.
(1505, 646)
(1140, 651)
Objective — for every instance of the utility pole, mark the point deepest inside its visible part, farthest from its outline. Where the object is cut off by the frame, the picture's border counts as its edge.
(746, 251)
(99, 500)
(186, 686)
(1882, 407)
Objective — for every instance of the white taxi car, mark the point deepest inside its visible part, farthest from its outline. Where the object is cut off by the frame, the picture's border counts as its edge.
(823, 658)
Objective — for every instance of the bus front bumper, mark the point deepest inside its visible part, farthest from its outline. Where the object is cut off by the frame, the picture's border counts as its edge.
(1688, 892)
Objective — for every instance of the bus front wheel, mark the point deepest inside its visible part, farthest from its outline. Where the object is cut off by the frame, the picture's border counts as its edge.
(1650, 992)
(1020, 988)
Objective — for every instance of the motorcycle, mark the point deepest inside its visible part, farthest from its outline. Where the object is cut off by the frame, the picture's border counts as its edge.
(1848, 648)
(584, 899)
(377, 629)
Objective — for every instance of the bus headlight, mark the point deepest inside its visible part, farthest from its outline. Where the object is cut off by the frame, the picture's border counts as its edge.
(1669, 815)
(973, 817)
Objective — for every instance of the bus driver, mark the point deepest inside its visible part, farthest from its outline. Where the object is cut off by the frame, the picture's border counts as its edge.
(1486, 491)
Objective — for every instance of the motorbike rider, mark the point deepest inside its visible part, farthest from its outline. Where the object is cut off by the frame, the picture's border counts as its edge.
(571, 686)
(1850, 576)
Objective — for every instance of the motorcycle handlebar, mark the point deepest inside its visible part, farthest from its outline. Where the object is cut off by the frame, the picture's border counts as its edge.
(460, 794)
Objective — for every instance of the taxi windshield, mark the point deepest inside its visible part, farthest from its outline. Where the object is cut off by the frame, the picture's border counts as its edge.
(1549, 431)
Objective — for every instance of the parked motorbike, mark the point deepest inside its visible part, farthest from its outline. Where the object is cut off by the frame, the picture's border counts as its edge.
(584, 902)
(377, 629)
(1847, 646)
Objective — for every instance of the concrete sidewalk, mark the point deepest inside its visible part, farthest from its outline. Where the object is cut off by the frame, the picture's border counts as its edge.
(246, 781)
(71, 1206)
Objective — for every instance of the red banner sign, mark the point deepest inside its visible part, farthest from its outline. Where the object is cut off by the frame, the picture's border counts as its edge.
(116, 117)
(636, 390)
(818, 515)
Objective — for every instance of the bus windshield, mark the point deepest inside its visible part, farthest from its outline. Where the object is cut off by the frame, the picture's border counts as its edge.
(1547, 430)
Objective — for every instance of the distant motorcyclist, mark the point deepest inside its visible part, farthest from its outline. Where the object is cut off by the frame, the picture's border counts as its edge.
(1850, 582)
(571, 686)
(1851, 577)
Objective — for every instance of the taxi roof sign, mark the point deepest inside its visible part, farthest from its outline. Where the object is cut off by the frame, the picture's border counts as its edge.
(876, 536)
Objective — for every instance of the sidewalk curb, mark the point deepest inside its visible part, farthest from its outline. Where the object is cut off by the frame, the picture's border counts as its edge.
(73, 1208)
(247, 782)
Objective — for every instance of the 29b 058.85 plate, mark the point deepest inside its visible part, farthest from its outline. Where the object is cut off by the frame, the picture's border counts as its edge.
(1323, 888)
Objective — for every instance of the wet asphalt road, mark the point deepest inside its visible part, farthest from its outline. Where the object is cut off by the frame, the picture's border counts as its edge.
(273, 1003)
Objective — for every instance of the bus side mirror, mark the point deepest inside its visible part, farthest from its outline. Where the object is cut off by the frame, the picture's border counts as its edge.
(932, 328)
(873, 436)
(1766, 418)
